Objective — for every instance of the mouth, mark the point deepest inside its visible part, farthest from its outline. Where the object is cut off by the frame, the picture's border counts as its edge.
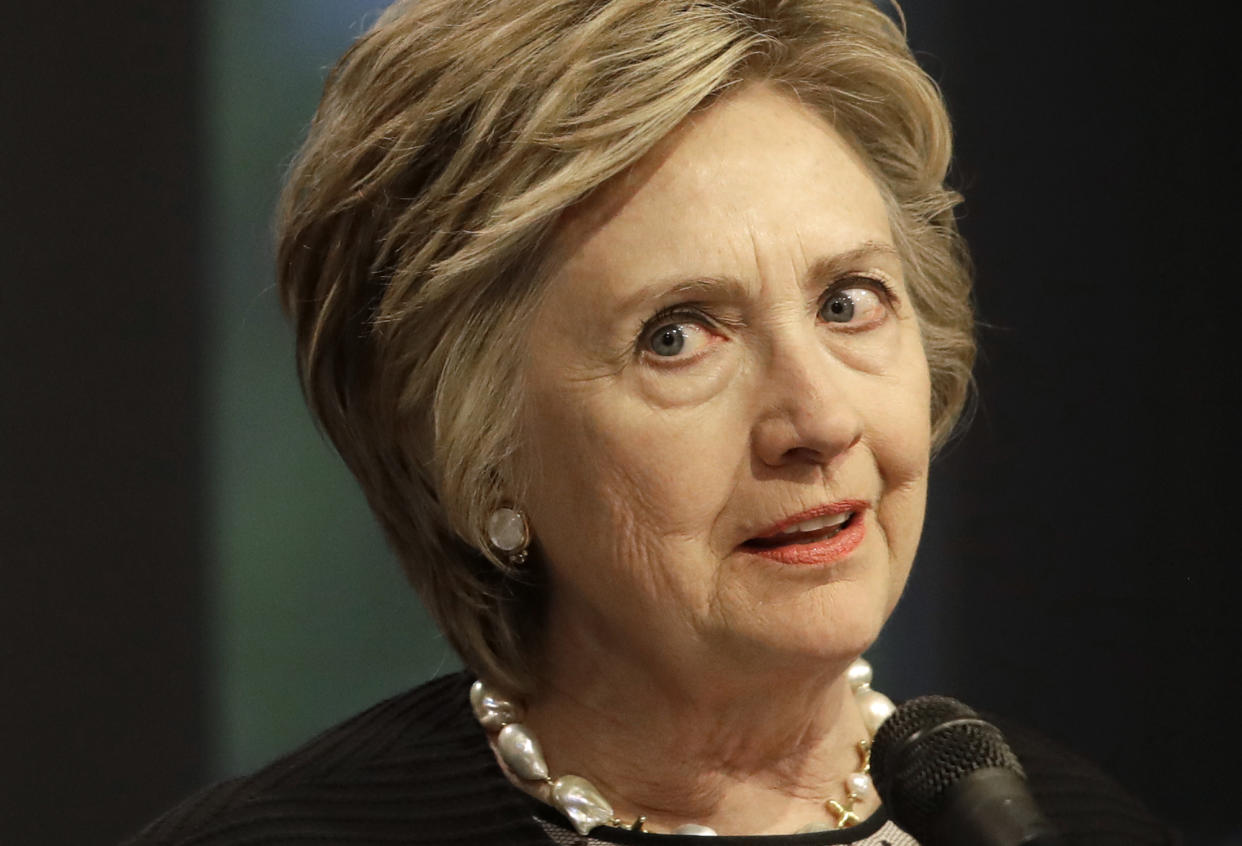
(821, 536)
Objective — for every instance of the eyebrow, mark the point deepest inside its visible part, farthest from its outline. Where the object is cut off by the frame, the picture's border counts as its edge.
(830, 267)
(821, 271)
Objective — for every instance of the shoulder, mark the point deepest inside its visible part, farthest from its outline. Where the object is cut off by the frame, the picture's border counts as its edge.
(1085, 803)
(413, 769)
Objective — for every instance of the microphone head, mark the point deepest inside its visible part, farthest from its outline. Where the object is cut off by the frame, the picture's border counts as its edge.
(924, 749)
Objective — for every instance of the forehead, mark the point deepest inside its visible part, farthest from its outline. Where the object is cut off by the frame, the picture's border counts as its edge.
(756, 166)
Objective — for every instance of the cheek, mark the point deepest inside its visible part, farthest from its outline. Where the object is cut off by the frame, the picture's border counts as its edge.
(621, 487)
(666, 468)
(901, 444)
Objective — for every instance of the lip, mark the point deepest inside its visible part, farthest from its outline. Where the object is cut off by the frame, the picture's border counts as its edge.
(839, 507)
(824, 551)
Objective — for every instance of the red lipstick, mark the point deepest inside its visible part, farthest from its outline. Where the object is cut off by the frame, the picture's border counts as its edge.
(818, 544)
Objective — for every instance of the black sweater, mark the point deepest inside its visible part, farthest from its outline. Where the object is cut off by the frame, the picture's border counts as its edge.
(417, 769)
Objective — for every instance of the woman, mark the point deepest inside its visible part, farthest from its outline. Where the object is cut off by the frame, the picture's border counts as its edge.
(638, 322)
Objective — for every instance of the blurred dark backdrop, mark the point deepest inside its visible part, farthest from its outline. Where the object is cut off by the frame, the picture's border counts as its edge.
(175, 539)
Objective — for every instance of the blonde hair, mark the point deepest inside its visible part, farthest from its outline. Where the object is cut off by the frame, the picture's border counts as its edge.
(450, 138)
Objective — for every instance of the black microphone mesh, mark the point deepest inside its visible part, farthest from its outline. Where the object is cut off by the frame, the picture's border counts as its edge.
(925, 747)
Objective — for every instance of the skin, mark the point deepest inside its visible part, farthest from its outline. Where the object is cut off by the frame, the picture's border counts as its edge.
(688, 678)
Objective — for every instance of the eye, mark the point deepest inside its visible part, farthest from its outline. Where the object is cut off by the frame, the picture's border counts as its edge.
(675, 341)
(668, 340)
(856, 306)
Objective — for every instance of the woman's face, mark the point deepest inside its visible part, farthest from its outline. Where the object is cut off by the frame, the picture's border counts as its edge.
(726, 352)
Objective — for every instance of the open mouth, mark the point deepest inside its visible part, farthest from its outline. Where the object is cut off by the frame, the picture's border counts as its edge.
(814, 530)
(814, 538)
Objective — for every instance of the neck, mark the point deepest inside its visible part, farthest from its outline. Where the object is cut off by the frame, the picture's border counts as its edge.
(754, 758)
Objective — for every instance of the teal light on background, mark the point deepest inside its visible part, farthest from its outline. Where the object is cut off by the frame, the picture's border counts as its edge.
(312, 618)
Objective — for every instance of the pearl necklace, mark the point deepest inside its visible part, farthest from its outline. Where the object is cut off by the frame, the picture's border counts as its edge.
(585, 806)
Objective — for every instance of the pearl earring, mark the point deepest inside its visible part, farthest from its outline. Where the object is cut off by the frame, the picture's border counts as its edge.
(508, 533)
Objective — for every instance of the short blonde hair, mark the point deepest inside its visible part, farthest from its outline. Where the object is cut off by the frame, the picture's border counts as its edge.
(449, 140)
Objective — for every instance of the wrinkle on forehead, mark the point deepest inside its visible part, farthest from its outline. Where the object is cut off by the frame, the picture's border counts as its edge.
(676, 165)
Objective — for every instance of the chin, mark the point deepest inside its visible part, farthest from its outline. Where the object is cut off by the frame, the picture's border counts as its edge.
(828, 616)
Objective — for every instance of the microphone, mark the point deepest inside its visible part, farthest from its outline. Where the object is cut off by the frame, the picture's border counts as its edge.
(950, 779)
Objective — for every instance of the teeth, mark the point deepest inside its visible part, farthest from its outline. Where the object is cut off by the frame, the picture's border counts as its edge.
(817, 523)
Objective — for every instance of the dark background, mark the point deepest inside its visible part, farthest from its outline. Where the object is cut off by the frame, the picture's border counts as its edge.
(1077, 567)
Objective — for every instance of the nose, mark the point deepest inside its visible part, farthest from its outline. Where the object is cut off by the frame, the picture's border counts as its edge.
(807, 412)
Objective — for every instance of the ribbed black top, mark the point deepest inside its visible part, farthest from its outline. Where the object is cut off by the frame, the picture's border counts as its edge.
(417, 769)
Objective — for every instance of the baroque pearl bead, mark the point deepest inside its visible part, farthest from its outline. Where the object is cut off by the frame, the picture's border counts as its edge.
(695, 828)
(506, 529)
(491, 709)
(859, 784)
(875, 708)
(586, 807)
(521, 753)
(578, 799)
(859, 674)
